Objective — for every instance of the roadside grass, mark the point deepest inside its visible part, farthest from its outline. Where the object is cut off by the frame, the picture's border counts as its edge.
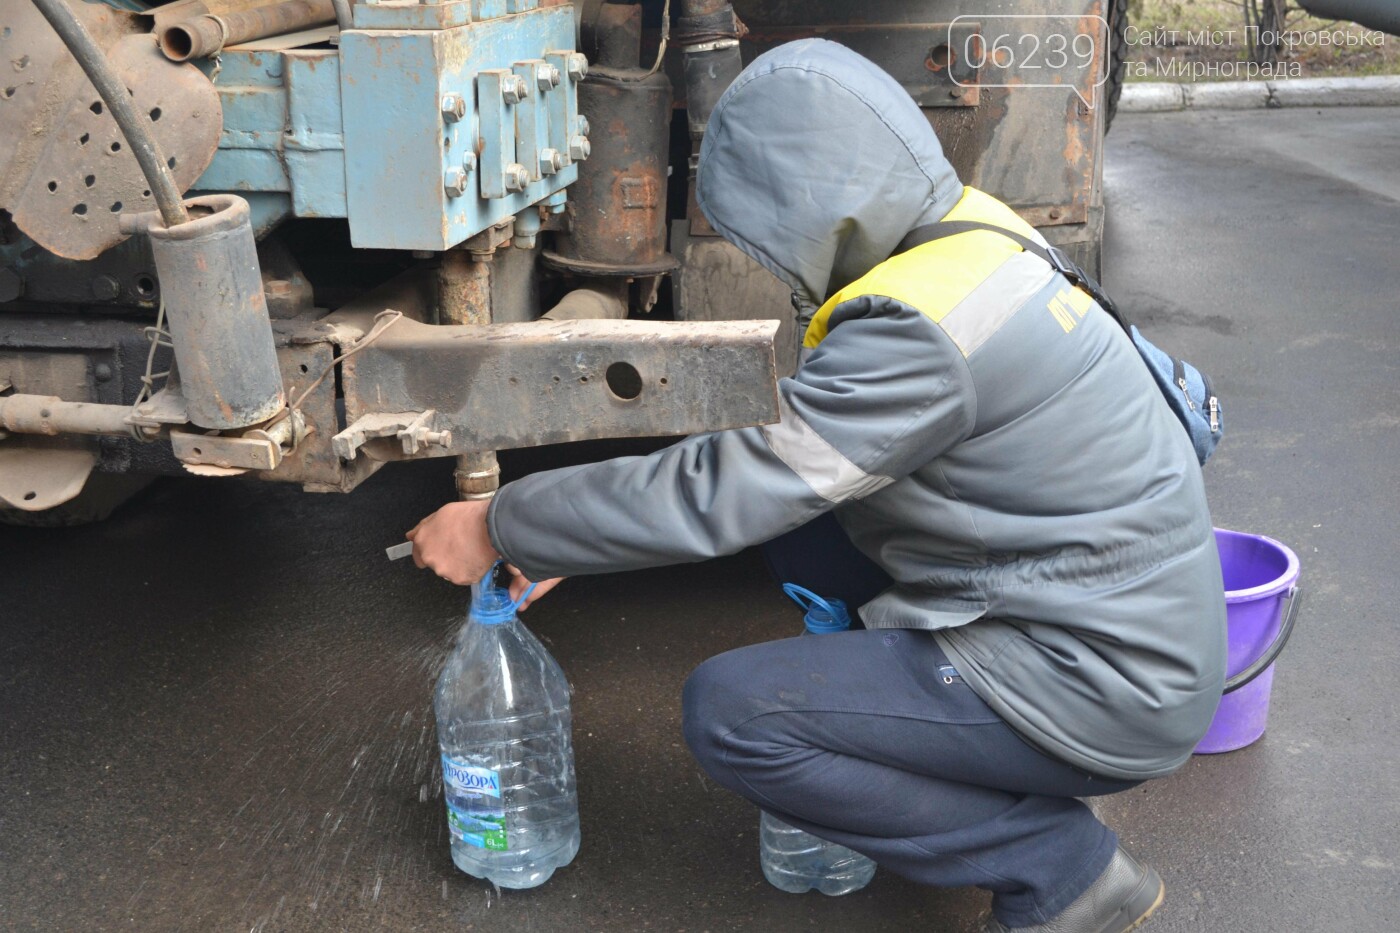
(1149, 62)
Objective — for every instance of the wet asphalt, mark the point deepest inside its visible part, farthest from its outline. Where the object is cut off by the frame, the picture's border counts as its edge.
(214, 707)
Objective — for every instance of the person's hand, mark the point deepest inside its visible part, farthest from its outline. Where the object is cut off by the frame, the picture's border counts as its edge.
(454, 542)
(518, 586)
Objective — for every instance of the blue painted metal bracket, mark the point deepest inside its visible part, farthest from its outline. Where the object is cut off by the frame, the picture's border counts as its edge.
(421, 137)
(282, 135)
(408, 153)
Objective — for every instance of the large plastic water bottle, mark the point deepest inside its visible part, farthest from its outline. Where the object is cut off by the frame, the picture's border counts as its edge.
(793, 860)
(504, 730)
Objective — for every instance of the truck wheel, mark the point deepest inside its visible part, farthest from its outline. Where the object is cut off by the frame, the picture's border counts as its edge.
(1116, 61)
(100, 497)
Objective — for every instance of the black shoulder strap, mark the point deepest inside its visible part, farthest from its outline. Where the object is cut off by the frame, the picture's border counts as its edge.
(1055, 256)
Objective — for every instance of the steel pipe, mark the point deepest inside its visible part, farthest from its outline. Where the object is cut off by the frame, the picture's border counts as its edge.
(217, 312)
(50, 415)
(604, 301)
(205, 35)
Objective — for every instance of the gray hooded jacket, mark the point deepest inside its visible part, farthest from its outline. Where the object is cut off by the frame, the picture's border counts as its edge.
(984, 433)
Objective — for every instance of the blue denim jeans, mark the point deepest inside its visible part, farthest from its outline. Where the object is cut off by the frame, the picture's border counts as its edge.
(870, 739)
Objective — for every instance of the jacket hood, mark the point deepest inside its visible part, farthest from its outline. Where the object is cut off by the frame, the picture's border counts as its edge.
(816, 163)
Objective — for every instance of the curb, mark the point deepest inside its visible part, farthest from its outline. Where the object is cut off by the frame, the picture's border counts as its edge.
(1378, 91)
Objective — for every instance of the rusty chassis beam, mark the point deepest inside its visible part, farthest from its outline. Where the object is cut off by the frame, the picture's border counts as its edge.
(503, 386)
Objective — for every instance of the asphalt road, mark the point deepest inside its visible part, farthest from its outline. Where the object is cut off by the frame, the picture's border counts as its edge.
(214, 708)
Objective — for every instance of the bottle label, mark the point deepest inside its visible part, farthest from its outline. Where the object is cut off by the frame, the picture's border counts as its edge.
(475, 812)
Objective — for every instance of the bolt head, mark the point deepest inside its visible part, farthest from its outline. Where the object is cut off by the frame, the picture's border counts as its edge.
(546, 76)
(578, 66)
(102, 372)
(469, 162)
(551, 161)
(579, 148)
(517, 177)
(454, 182)
(278, 288)
(454, 107)
(514, 89)
(584, 127)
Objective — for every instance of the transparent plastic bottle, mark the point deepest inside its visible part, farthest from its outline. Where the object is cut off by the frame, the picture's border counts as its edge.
(794, 860)
(505, 734)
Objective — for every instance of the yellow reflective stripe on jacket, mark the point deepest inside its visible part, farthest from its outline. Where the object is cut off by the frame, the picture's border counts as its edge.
(963, 272)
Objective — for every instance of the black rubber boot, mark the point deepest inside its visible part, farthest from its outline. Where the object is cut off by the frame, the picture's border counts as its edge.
(1120, 900)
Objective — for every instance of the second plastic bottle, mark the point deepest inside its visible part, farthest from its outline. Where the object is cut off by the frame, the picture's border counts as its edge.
(794, 860)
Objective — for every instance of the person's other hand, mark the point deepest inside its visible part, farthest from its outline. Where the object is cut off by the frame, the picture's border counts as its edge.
(518, 586)
(454, 543)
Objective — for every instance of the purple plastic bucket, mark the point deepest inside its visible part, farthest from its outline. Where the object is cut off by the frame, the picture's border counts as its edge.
(1261, 577)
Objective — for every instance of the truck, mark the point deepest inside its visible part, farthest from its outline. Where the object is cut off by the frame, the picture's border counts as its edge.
(299, 240)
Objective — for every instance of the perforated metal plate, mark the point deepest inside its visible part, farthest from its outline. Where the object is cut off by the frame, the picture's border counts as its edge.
(66, 171)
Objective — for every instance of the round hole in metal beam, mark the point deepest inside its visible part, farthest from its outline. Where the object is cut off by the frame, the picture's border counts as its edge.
(624, 381)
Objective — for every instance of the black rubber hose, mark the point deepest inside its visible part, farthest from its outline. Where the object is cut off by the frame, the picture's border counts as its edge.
(114, 93)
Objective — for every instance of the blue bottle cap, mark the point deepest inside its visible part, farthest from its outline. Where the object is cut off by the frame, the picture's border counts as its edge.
(823, 615)
(491, 604)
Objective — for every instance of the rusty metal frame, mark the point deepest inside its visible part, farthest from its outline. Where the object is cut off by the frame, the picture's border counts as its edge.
(519, 385)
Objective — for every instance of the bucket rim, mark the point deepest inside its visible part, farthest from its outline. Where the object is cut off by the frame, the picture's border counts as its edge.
(1279, 584)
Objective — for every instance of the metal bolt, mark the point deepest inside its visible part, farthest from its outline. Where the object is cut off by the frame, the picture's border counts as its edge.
(105, 287)
(102, 372)
(514, 89)
(584, 128)
(578, 66)
(278, 288)
(579, 148)
(436, 438)
(517, 177)
(454, 182)
(551, 161)
(454, 107)
(469, 162)
(546, 76)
